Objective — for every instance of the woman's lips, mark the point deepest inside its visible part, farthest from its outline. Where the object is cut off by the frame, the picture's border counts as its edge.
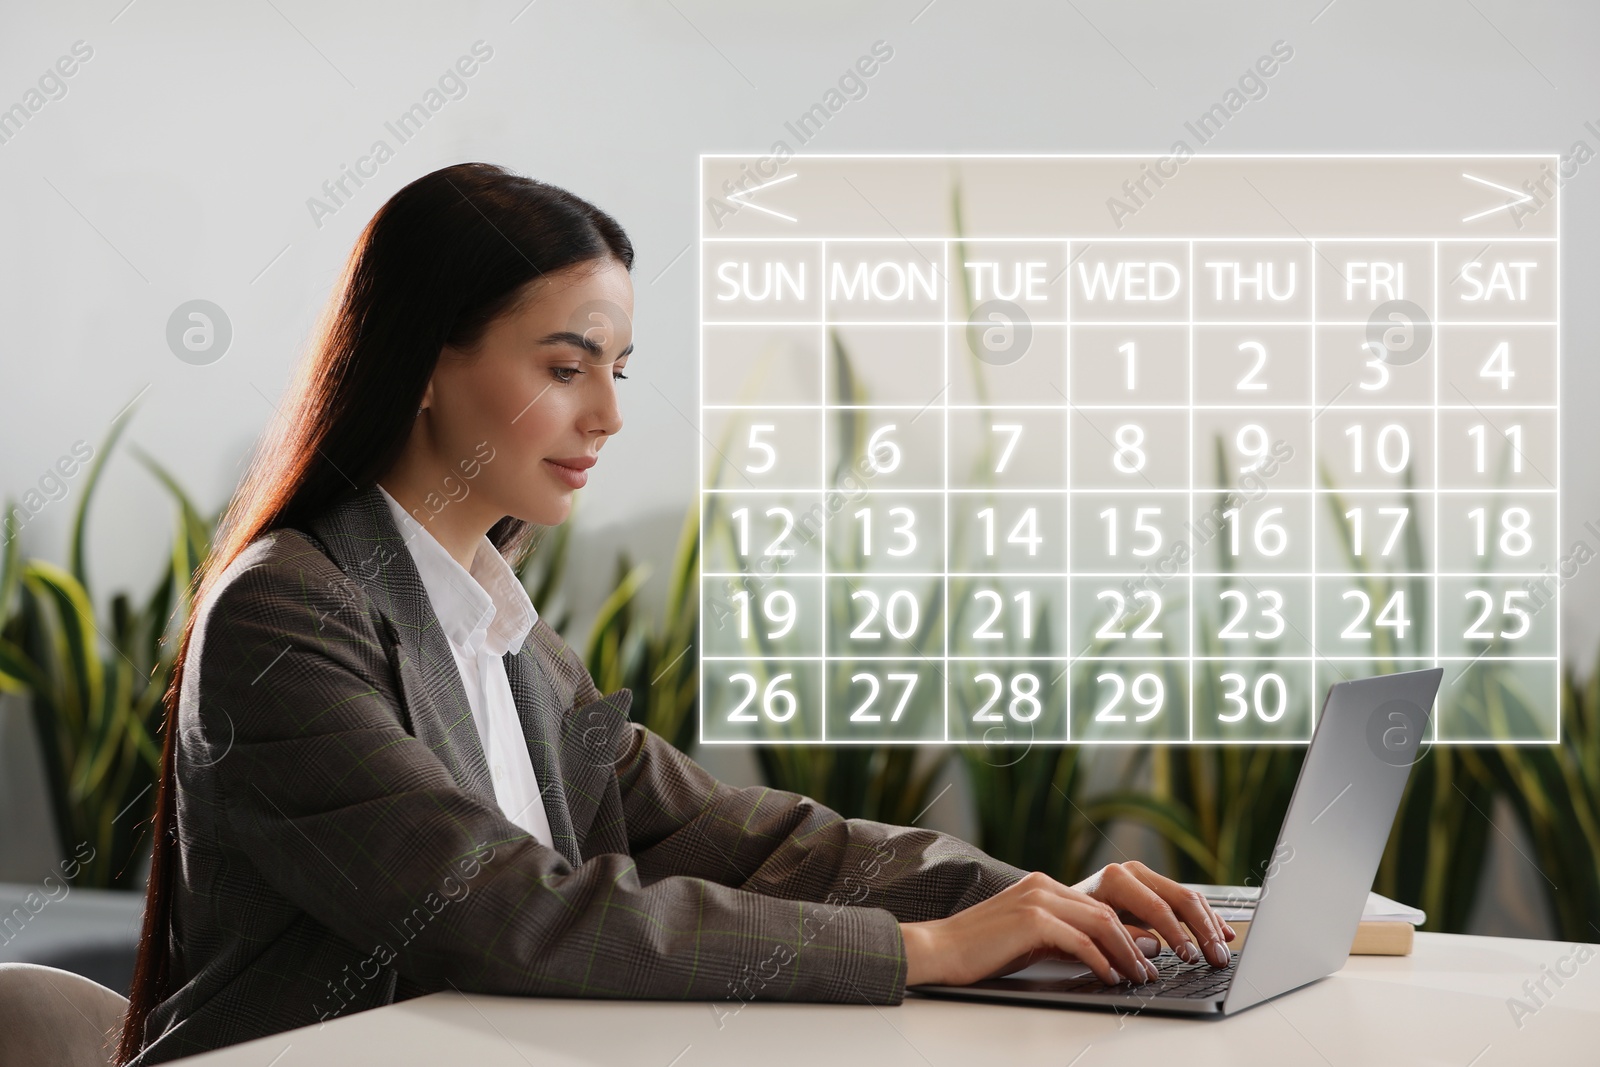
(573, 476)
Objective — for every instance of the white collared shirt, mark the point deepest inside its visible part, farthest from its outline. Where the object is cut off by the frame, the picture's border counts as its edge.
(485, 613)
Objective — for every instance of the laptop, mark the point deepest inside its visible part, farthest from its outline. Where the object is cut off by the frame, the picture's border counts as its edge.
(1368, 736)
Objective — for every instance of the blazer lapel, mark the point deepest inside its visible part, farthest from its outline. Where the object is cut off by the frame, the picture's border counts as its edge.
(537, 707)
(574, 747)
(360, 535)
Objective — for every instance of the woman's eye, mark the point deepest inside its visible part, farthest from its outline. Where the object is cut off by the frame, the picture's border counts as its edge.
(566, 374)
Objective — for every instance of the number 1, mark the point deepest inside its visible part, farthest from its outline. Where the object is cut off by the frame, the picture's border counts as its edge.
(1127, 351)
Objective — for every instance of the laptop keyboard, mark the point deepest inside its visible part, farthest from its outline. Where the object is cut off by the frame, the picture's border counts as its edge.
(1187, 981)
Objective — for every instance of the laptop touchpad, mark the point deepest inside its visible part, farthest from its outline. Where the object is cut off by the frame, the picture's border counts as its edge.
(1052, 971)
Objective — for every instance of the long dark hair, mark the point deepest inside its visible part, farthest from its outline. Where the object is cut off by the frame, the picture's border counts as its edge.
(436, 265)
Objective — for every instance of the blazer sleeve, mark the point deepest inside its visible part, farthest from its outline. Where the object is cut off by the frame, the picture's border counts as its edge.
(358, 824)
(681, 820)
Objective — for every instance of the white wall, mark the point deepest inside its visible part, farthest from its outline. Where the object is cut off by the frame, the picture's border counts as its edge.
(180, 160)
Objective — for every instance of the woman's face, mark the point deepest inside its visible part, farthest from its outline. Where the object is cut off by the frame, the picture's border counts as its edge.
(532, 405)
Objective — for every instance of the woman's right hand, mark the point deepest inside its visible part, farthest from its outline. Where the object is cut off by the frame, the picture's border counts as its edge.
(1037, 918)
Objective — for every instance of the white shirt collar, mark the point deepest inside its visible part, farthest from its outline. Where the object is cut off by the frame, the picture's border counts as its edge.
(486, 607)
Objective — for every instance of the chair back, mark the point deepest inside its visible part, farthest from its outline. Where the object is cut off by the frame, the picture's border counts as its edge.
(54, 1018)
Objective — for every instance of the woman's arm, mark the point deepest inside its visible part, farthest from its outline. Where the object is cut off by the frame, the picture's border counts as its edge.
(965, 915)
(357, 823)
(681, 820)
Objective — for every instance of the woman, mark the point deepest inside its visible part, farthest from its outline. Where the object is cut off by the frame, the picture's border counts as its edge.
(384, 775)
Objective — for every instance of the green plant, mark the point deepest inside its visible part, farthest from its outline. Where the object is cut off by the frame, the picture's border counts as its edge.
(883, 782)
(659, 663)
(1032, 803)
(1435, 855)
(1031, 799)
(1031, 808)
(540, 573)
(1554, 792)
(1216, 808)
(95, 692)
(1436, 850)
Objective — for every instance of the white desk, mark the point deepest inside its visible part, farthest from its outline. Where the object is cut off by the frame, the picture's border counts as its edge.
(1444, 1004)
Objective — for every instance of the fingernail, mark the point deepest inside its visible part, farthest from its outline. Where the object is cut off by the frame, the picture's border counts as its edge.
(1219, 955)
(1150, 969)
(1231, 931)
(1148, 945)
(1191, 952)
(1116, 978)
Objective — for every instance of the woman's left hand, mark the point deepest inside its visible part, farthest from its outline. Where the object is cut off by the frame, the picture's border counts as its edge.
(1157, 902)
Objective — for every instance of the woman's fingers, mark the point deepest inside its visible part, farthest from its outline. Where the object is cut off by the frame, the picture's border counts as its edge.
(1142, 902)
(1167, 907)
(1192, 909)
(1072, 919)
(1144, 939)
(1098, 920)
(1070, 936)
(1101, 922)
(1109, 922)
(1036, 919)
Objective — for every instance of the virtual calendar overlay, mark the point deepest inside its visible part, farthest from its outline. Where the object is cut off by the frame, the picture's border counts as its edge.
(1122, 449)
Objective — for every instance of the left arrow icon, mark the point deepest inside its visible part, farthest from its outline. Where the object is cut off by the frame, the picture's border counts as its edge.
(742, 197)
(1521, 197)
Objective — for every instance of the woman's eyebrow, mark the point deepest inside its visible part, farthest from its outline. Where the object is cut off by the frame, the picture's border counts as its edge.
(568, 337)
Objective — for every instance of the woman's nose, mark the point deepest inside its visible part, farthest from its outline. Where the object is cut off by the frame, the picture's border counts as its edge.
(605, 416)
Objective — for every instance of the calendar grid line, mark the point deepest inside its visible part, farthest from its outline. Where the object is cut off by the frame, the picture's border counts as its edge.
(1557, 199)
(1174, 324)
(1334, 406)
(822, 461)
(1439, 605)
(700, 454)
(1064, 657)
(1058, 238)
(1086, 573)
(1175, 490)
(944, 467)
(1067, 638)
(1311, 697)
(1194, 618)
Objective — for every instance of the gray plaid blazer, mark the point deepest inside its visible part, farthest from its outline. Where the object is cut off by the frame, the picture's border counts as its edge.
(339, 846)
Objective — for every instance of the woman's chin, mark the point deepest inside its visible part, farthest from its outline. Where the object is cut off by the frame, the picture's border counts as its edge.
(551, 510)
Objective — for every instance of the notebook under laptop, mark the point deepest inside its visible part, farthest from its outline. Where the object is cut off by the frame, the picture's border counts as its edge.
(1311, 899)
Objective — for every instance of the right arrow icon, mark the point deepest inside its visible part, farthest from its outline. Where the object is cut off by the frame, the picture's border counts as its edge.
(1521, 197)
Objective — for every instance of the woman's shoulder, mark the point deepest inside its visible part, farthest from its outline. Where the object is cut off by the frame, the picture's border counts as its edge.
(285, 549)
(282, 555)
(285, 574)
